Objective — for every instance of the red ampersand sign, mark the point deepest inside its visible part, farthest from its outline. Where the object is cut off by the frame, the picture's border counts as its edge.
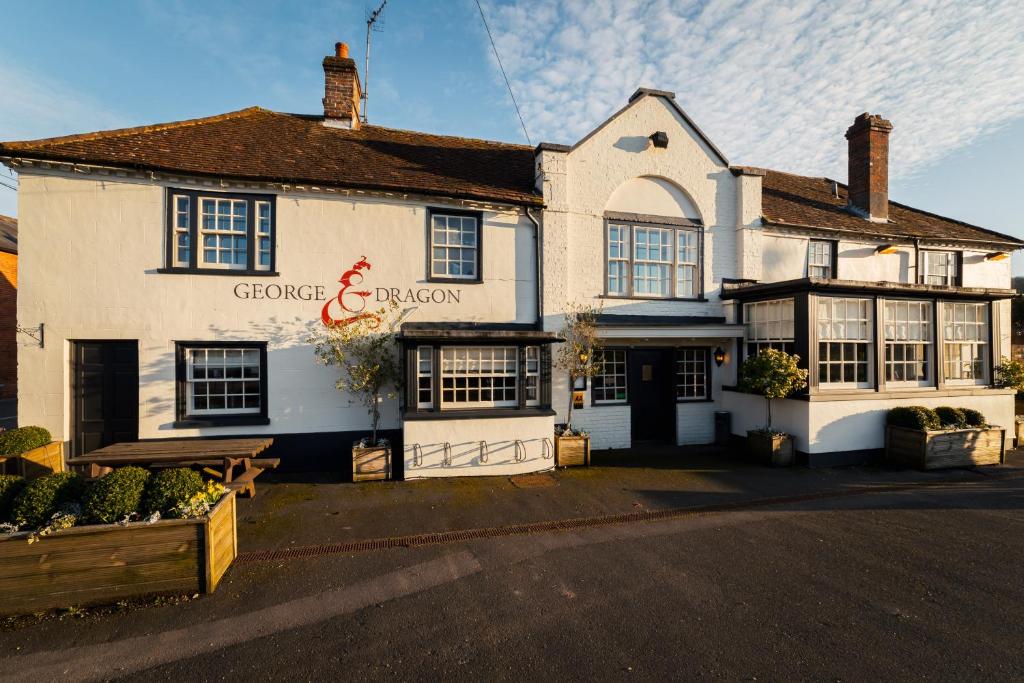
(353, 302)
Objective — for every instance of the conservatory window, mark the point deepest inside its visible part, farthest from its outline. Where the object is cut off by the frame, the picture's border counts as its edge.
(908, 342)
(844, 342)
(769, 325)
(965, 342)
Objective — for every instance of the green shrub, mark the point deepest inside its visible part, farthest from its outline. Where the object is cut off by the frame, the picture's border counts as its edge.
(115, 496)
(974, 418)
(17, 441)
(44, 496)
(913, 417)
(171, 487)
(10, 487)
(951, 418)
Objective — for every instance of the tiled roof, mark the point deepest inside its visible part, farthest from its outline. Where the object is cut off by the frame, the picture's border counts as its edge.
(257, 144)
(805, 201)
(8, 234)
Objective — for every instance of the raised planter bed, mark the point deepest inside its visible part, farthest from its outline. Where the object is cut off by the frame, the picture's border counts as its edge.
(38, 461)
(1018, 435)
(936, 449)
(372, 463)
(572, 451)
(105, 563)
(771, 448)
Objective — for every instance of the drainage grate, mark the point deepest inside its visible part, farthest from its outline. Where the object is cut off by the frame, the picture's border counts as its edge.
(447, 537)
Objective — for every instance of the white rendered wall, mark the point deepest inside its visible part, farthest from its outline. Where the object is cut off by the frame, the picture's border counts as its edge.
(695, 423)
(748, 413)
(608, 425)
(90, 248)
(426, 439)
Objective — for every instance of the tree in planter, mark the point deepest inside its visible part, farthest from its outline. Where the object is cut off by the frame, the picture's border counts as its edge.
(366, 350)
(580, 355)
(1010, 374)
(773, 374)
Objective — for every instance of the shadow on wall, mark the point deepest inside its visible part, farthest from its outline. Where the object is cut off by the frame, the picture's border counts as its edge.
(8, 326)
(863, 430)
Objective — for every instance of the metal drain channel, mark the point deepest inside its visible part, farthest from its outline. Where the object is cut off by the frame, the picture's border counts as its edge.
(459, 536)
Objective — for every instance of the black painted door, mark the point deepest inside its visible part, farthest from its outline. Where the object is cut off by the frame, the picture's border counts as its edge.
(652, 410)
(106, 394)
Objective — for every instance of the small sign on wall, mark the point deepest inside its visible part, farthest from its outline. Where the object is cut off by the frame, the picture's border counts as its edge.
(577, 400)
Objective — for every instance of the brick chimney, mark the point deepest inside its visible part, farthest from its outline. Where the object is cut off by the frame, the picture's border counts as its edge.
(341, 89)
(868, 168)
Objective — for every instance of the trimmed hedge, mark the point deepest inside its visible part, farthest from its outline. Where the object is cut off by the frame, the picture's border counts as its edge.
(10, 487)
(44, 496)
(22, 439)
(974, 418)
(951, 418)
(913, 417)
(115, 496)
(171, 487)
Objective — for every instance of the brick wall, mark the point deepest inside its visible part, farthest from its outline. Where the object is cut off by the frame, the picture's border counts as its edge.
(609, 426)
(8, 324)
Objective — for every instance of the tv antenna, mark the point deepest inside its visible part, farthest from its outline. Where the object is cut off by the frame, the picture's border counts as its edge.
(374, 22)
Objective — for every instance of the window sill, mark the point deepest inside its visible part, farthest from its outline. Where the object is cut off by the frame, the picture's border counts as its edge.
(221, 421)
(698, 299)
(476, 414)
(217, 271)
(454, 280)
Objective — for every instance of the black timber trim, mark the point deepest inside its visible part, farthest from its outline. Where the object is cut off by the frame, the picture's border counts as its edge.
(447, 279)
(477, 414)
(786, 288)
(626, 320)
(184, 420)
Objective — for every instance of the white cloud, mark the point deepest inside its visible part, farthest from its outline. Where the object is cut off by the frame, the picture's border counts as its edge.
(773, 83)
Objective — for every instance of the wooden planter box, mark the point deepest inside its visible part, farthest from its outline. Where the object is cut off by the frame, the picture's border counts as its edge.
(370, 464)
(572, 451)
(930, 450)
(773, 449)
(1018, 435)
(37, 462)
(104, 563)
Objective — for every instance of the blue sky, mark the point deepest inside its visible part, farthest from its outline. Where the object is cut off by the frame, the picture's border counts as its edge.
(773, 84)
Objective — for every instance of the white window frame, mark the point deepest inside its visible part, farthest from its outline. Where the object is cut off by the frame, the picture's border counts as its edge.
(217, 233)
(181, 228)
(691, 372)
(264, 231)
(531, 382)
(963, 334)
(447, 247)
(838, 328)
(904, 326)
(614, 365)
(769, 325)
(820, 258)
(249, 363)
(475, 365)
(678, 260)
(950, 274)
(425, 377)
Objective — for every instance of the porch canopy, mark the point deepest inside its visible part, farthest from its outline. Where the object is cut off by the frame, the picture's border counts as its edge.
(662, 327)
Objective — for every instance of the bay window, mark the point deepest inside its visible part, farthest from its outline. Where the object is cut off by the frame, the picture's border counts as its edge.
(844, 342)
(965, 336)
(908, 342)
(769, 325)
(217, 232)
(653, 261)
(473, 377)
(610, 385)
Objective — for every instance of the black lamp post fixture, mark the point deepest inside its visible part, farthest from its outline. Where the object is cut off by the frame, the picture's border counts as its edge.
(719, 356)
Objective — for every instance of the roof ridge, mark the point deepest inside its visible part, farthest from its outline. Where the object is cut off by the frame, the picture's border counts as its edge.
(121, 132)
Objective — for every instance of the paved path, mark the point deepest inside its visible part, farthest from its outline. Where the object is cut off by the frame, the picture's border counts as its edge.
(916, 584)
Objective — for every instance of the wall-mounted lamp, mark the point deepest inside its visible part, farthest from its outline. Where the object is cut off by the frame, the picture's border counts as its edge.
(719, 356)
(997, 256)
(886, 249)
(660, 139)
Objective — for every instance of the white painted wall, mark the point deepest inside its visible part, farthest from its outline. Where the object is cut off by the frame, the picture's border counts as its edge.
(695, 423)
(608, 425)
(426, 438)
(90, 248)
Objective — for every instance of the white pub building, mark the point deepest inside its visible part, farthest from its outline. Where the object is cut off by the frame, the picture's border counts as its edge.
(173, 272)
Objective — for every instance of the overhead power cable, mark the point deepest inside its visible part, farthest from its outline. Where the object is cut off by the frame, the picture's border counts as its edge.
(503, 74)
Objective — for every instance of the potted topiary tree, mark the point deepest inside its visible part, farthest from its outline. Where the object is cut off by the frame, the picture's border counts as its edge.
(1009, 374)
(772, 373)
(366, 350)
(579, 357)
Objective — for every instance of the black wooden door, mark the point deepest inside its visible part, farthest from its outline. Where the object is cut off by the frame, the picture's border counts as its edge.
(106, 394)
(652, 410)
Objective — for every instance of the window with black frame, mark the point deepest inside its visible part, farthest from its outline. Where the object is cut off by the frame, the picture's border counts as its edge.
(653, 261)
(220, 232)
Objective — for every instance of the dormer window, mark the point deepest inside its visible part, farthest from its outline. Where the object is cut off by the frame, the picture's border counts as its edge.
(939, 268)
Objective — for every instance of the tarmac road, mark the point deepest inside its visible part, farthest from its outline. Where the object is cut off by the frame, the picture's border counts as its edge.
(921, 584)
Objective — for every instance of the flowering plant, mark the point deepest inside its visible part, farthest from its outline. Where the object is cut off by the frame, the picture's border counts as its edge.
(65, 518)
(202, 502)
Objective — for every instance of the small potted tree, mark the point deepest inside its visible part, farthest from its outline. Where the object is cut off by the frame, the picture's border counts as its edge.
(1009, 374)
(366, 351)
(773, 374)
(579, 357)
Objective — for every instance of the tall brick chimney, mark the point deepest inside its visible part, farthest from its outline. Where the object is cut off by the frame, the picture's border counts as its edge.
(868, 168)
(341, 89)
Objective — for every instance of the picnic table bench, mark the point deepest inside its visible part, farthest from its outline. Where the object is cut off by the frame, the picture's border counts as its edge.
(227, 454)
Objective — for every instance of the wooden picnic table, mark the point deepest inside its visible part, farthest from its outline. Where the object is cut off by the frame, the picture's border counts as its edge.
(226, 453)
